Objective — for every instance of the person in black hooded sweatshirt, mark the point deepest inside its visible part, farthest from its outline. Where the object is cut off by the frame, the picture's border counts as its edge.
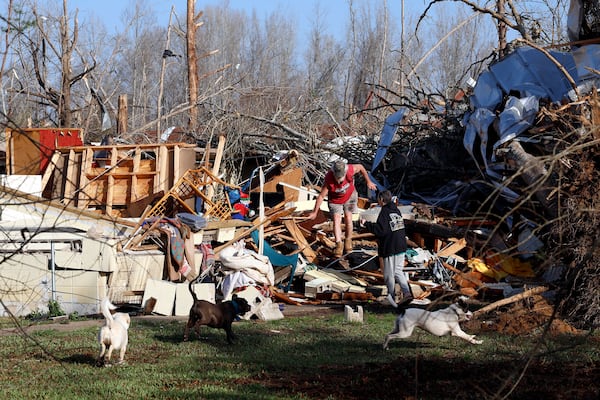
(391, 236)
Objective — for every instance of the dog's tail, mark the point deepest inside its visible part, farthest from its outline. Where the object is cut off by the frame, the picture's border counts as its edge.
(192, 290)
(105, 307)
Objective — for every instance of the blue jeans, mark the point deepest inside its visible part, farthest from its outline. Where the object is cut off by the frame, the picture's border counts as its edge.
(393, 272)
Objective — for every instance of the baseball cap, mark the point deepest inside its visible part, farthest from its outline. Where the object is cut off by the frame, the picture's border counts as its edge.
(339, 169)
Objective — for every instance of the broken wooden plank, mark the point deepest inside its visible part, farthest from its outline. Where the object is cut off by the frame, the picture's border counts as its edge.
(323, 238)
(71, 182)
(298, 236)
(50, 169)
(345, 296)
(476, 282)
(377, 275)
(452, 248)
(210, 191)
(257, 224)
(85, 194)
(282, 297)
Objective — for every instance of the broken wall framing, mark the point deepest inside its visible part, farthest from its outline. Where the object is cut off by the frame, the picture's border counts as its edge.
(119, 184)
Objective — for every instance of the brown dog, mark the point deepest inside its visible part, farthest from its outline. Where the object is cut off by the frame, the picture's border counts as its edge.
(219, 315)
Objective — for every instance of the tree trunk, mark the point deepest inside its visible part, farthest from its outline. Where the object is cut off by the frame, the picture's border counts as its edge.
(192, 60)
(64, 102)
(535, 174)
(122, 115)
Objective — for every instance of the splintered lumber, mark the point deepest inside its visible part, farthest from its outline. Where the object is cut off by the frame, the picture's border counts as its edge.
(452, 249)
(284, 298)
(476, 282)
(241, 235)
(303, 244)
(322, 237)
(371, 274)
(510, 300)
(257, 224)
(210, 190)
(341, 296)
(359, 236)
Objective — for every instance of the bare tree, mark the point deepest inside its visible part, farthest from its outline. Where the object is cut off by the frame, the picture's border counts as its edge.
(372, 63)
(192, 60)
(8, 20)
(59, 98)
(461, 46)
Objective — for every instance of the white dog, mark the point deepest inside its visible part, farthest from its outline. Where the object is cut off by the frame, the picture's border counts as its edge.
(113, 334)
(439, 323)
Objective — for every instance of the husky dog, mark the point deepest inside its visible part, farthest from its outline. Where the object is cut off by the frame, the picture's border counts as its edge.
(441, 322)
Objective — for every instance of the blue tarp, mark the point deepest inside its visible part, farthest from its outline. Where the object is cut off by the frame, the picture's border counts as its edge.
(524, 77)
(387, 135)
(529, 72)
(277, 259)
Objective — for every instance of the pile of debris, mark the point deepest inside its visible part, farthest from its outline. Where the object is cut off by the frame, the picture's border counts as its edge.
(275, 254)
(531, 133)
(497, 192)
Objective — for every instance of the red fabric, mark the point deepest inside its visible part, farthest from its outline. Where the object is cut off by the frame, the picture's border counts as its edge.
(242, 209)
(208, 256)
(339, 193)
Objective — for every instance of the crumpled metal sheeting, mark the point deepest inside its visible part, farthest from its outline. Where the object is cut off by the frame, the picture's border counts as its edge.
(518, 116)
(477, 125)
(532, 75)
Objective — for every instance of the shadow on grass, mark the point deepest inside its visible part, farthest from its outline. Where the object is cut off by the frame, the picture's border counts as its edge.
(87, 359)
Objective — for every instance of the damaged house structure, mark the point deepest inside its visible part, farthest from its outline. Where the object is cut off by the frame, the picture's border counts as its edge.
(498, 197)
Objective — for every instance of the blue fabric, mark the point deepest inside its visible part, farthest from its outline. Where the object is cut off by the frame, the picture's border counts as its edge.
(234, 196)
(277, 259)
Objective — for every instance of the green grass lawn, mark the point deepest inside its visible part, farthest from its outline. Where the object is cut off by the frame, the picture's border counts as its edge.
(319, 356)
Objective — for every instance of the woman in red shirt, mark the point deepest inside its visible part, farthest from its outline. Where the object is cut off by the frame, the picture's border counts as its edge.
(342, 199)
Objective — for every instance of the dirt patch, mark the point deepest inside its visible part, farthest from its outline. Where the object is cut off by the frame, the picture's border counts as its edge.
(532, 315)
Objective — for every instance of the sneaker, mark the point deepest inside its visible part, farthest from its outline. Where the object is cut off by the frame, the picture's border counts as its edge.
(391, 300)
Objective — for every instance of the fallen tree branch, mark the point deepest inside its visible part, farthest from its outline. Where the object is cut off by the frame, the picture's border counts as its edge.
(510, 300)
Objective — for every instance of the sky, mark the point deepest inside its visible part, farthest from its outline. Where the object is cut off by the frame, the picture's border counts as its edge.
(335, 12)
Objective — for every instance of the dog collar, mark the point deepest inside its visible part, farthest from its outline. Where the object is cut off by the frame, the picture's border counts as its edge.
(236, 308)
